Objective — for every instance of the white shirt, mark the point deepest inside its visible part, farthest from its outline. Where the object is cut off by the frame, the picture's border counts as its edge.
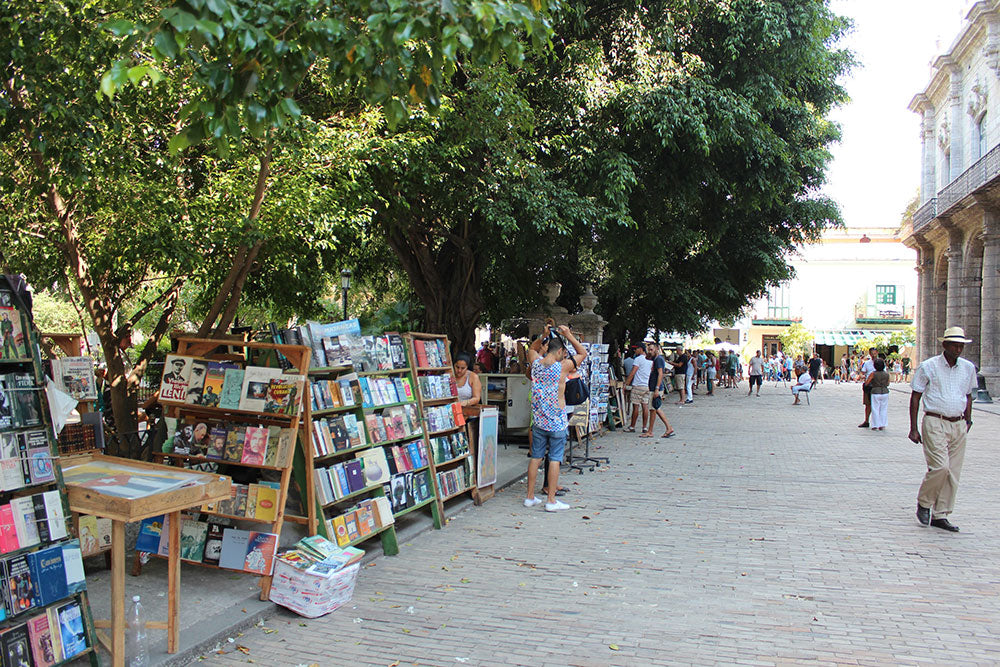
(642, 367)
(804, 379)
(756, 366)
(945, 387)
(868, 367)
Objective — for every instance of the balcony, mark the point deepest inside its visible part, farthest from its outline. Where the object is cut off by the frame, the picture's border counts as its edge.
(984, 170)
(883, 313)
(924, 214)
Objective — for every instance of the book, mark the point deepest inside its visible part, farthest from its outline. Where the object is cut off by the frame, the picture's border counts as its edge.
(27, 409)
(256, 380)
(234, 548)
(71, 634)
(12, 343)
(20, 590)
(11, 476)
(397, 350)
(232, 388)
(284, 395)
(213, 543)
(49, 575)
(255, 445)
(273, 444)
(53, 616)
(8, 532)
(375, 467)
(76, 579)
(261, 548)
(54, 516)
(196, 381)
(215, 380)
(340, 530)
(355, 477)
(40, 634)
(16, 646)
(75, 376)
(39, 457)
(24, 521)
(218, 435)
(150, 533)
(174, 383)
(193, 535)
(267, 503)
(234, 444)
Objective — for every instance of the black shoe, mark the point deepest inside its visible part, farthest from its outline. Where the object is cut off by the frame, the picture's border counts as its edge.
(944, 524)
(863, 425)
(923, 515)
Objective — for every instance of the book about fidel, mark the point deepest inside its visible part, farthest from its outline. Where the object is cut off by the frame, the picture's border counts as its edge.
(283, 395)
(12, 344)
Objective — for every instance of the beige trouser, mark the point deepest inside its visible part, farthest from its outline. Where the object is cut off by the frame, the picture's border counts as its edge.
(944, 449)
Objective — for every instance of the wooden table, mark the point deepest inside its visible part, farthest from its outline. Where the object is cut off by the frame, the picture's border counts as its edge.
(210, 488)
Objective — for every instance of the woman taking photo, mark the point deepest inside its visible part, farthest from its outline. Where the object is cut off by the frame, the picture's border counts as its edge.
(469, 389)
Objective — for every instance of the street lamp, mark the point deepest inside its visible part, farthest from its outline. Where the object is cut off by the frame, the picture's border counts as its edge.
(345, 284)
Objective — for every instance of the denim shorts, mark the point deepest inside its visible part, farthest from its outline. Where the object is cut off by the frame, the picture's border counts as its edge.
(553, 442)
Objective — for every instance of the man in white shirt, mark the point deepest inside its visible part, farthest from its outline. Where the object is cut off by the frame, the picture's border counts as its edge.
(756, 372)
(946, 384)
(638, 379)
(867, 369)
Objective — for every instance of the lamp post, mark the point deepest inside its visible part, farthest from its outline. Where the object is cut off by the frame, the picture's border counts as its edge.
(345, 284)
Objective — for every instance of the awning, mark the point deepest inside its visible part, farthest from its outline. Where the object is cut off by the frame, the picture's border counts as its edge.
(848, 337)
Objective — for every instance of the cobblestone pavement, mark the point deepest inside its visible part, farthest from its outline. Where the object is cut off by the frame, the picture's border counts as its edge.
(762, 534)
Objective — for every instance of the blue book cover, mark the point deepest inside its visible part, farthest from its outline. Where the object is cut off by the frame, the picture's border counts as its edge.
(49, 573)
(71, 632)
(148, 539)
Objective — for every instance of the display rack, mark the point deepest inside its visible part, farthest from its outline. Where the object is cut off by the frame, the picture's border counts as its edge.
(52, 519)
(252, 354)
(457, 466)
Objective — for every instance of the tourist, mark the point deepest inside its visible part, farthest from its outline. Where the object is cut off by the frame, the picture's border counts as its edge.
(656, 378)
(724, 369)
(681, 369)
(710, 372)
(815, 368)
(946, 384)
(733, 365)
(550, 364)
(638, 380)
(906, 369)
(878, 384)
(789, 364)
(803, 383)
(485, 357)
(845, 368)
(897, 370)
(700, 368)
(469, 388)
(867, 369)
(756, 372)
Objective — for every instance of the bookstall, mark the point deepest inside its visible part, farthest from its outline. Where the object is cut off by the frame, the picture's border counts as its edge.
(232, 407)
(44, 611)
(448, 439)
(360, 410)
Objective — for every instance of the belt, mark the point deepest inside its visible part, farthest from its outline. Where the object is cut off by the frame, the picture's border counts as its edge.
(947, 419)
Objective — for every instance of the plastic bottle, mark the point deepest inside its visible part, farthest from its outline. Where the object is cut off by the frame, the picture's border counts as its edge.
(136, 644)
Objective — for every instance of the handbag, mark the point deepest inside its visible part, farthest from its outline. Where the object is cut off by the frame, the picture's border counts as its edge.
(576, 391)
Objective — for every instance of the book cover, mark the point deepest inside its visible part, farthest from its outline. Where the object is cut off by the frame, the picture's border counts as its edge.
(55, 516)
(150, 532)
(49, 575)
(315, 343)
(267, 503)
(24, 521)
(8, 531)
(283, 395)
(383, 512)
(12, 345)
(319, 545)
(196, 381)
(286, 447)
(71, 632)
(397, 350)
(251, 509)
(215, 381)
(255, 383)
(255, 445)
(75, 376)
(375, 467)
(76, 578)
(22, 455)
(240, 502)
(20, 585)
(42, 649)
(355, 477)
(232, 389)
(39, 457)
(53, 616)
(217, 437)
(234, 548)
(176, 372)
(193, 534)
(16, 646)
(260, 553)
(340, 531)
(234, 444)
(11, 477)
(351, 523)
(213, 543)
(338, 432)
(366, 524)
(27, 409)
(273, 443)
(41, 518)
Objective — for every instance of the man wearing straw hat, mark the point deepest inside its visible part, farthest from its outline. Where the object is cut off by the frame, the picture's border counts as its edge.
(946, 384)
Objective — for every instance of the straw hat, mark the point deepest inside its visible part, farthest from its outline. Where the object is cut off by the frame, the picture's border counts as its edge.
(954, 335)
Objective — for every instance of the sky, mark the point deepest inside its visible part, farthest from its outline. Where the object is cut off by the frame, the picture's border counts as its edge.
(876, 168)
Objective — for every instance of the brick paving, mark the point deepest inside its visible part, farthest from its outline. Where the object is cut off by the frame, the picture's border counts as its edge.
(762, 534)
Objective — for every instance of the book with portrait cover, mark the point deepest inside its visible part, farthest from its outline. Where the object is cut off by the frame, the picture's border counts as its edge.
(196, 381)
(16, 646)
(215, 379)
(193, 535)
(12, 344)
(39, 457)
(256, 380)
(176, 373)
(255, 445)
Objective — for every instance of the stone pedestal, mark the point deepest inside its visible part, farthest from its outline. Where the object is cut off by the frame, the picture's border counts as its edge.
(536, 320)
(588, 324)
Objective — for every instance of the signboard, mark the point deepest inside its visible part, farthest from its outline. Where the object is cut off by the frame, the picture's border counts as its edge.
(486, 461)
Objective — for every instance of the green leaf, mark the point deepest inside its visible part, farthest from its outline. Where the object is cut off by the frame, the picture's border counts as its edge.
(181, 20)
(178, 143)
(107, 85)
(120, 27)
(217, 7)
(165, 44)
(136, 73)
(211, 29)
(291, 108)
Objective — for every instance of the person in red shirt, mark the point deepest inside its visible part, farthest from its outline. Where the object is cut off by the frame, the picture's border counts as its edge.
(485, 357)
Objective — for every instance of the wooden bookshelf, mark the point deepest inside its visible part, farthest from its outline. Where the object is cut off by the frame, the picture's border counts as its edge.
(32, 365)
(425, 402)
(254, 354)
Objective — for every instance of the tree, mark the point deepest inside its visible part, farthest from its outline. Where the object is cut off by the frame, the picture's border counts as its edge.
(796, 340)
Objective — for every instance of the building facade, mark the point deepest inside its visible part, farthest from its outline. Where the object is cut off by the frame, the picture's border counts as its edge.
(854, 283)
(956, 229)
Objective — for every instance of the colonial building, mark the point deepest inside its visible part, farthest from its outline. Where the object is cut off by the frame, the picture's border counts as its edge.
(956, 230)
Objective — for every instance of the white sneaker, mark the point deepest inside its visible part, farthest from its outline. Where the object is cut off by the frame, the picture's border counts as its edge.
(557, 506)
(532, 502)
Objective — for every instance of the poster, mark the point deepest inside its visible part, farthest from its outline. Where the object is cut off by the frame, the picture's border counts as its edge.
(486, 459)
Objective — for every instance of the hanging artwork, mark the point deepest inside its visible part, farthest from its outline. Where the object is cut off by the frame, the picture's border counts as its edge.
(486, 461)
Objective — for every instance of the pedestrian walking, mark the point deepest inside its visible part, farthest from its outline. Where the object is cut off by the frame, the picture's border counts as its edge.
(656, 378)
(867, 368)
(710, 373)
(756, 372)
(946, 385)
(878, 385)
(638, 380)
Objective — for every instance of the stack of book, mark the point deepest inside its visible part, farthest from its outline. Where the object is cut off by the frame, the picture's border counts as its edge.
(223, 384)
(25, 460)
(257, 501)
(376, 391)
(430, 353)
(78, 438)
(379, 353)
(394, 423)
(340, 393)
(369, 469)
(335, 434)
(444, 417)
(437, 386)
(30, 520)
(455, 480)
(410, 456)
(211, 542)
(270, 446)
(19, 406)
(407, 489)
(450, 446)
(319, 556)
(315, 577)
(365, 518)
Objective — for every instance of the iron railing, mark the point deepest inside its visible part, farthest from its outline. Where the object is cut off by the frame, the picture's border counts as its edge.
(984, 170)
(923, 215)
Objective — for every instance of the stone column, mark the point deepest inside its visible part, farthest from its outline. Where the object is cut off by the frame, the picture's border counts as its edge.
(955, 308)
(958, 122)
(989, 326)
(925, 307)
(939, 297)
(928, 153)
(972, 316)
